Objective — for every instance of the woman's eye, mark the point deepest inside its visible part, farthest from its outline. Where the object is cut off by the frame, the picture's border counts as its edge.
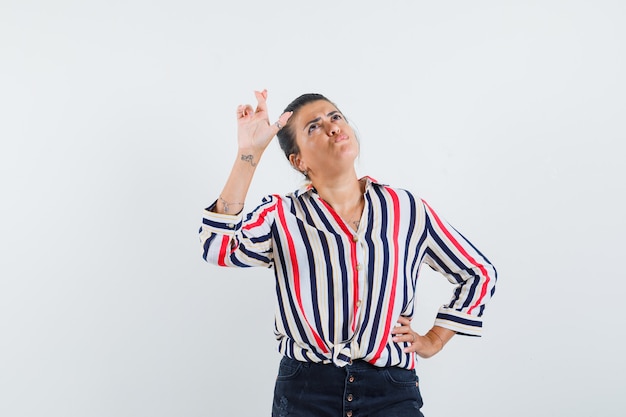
(312, 127)
(336, 116)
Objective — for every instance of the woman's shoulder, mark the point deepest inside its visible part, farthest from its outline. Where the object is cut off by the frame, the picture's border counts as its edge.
(284, 197)
(399, 191)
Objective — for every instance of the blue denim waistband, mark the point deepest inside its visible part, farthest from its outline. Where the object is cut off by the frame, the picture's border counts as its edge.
(357, 364)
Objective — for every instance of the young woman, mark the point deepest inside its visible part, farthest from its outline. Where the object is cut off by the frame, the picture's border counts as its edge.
(346, 253)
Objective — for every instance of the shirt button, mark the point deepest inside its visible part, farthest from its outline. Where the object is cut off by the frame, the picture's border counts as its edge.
(349, 413)
(230, 225)
(350, 397)
(358, 303)
(359, 267)
(351, 379)
(355, 238)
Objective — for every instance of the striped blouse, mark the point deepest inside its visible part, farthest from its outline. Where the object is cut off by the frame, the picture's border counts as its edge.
(340, 291)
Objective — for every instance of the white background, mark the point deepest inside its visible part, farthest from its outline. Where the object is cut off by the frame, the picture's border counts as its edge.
(117, 126)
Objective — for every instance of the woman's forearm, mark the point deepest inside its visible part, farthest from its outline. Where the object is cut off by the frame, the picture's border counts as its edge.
(254, 133)
(233, 195)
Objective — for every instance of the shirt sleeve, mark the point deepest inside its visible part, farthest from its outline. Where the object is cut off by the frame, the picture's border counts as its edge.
(231, 240)
(451, 254)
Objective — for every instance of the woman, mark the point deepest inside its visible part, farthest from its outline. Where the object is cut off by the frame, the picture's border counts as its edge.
(346, 254)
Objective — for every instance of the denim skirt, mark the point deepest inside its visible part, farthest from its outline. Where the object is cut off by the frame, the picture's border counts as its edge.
(357, 390)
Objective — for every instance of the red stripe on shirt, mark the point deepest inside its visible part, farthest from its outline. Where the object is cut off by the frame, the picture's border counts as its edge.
(221, 261)
(457, 245)
(353, 260)
(394, 276)
(296, 275)
(261, 217)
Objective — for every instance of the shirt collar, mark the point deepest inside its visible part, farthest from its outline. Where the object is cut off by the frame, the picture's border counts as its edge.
(307, 187)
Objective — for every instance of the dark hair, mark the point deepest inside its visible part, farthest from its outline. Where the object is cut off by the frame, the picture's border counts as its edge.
(286, 135)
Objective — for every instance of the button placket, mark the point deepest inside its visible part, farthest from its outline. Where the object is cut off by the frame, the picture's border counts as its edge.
(350, 399)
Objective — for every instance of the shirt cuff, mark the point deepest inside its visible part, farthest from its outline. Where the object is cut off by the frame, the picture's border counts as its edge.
(223, 224)
(461, 323)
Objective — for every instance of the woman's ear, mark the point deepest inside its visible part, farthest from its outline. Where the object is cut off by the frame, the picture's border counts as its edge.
(296, 162)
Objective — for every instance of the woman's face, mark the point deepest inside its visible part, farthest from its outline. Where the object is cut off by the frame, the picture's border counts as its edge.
(327, 143)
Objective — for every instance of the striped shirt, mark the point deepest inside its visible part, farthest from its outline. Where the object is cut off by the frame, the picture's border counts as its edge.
(340, 291)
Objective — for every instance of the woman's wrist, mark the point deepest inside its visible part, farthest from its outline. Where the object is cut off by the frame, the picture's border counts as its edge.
(249, 156)
(436, 340)
(439, 337)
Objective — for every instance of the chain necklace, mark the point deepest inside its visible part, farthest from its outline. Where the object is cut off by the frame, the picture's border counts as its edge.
(356, 212)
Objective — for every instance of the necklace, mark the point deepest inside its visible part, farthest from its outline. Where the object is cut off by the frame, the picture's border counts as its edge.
(356, 213)
(352, 217)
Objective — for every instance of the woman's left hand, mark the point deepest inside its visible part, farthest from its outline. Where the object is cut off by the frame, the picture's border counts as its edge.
(425, 346)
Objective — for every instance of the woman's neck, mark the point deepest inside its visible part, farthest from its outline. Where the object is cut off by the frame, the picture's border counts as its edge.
(342, 193)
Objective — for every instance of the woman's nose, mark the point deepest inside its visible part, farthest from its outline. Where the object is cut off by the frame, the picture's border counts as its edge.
(333, 129)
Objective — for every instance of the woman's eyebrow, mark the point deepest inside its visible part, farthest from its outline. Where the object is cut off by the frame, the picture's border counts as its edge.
(317, 119)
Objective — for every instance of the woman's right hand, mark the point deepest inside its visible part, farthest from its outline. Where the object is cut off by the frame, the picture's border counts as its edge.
(425, 346)
(254, 131)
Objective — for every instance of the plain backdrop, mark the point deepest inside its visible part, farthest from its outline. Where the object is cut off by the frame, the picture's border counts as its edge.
(117, 127)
